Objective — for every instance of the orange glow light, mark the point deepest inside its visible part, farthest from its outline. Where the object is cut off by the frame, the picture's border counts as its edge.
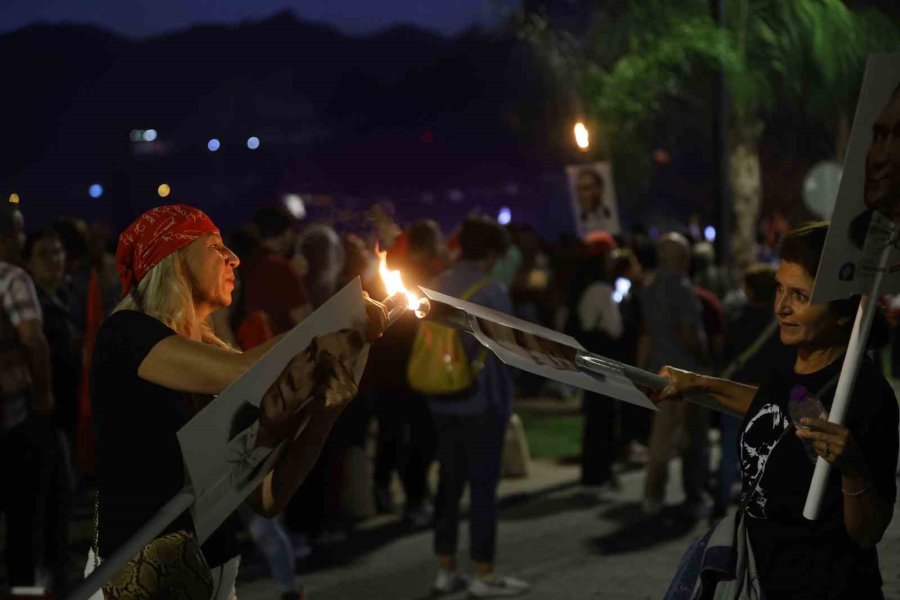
(393, 282)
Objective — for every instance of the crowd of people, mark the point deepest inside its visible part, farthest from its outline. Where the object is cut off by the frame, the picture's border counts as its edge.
(76, 381)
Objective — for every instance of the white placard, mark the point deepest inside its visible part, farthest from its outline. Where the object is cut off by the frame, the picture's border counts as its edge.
(218, 445)
(539, 350)
(869, 194)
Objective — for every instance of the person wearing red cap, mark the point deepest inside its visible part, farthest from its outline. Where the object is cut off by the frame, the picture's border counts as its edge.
(156, 362)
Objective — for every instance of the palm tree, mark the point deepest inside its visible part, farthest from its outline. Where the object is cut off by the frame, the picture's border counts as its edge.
(809, 54)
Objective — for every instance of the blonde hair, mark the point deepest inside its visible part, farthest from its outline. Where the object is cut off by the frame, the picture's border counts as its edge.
(167, 293)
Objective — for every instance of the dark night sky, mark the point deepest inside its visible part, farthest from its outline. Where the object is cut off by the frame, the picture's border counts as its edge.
(139, 18)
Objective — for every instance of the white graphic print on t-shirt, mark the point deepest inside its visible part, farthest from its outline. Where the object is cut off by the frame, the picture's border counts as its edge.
(758, 439)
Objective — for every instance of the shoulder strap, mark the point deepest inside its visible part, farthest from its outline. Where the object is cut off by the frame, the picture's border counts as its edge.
(475, 288)
(751, 350)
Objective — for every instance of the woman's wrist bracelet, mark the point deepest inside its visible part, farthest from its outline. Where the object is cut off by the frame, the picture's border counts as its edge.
(865, 489)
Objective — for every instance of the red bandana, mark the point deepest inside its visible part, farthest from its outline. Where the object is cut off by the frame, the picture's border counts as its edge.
(155, 235)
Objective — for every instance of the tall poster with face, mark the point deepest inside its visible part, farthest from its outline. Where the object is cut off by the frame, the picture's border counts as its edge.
(593, 198)
(233, 443)
(868, 200)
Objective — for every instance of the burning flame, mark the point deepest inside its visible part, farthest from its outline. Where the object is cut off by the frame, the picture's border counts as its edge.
(393, 282)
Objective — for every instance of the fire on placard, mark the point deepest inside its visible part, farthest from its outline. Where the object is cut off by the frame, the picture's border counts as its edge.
(399, 299)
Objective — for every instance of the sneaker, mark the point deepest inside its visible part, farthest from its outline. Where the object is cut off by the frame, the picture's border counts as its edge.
(448, 582)
(496, 586)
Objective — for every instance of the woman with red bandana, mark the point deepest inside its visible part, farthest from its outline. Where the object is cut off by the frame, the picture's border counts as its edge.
(156, 363)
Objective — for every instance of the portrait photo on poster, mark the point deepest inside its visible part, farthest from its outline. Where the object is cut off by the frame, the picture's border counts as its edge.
(231, 444)
(593, 198)
(867, 208)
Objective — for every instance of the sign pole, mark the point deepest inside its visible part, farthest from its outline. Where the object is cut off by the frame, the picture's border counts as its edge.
(856, 348)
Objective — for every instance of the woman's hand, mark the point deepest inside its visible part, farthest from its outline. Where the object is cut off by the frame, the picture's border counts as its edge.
(680, 383)
(336, 384)
(376, 315)
(835, 444)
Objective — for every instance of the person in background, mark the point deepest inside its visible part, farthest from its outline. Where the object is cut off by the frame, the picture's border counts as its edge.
(471, 430)
(599, 328)
(273, 284)
(405, 428)
(634, 421)
(26, 407)
(323, 252)
(674, 332)
(45, 259)
(707, 274)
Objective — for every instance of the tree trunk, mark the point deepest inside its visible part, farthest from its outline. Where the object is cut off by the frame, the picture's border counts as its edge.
(746, 186)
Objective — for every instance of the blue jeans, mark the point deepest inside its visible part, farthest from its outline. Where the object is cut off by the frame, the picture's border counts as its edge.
(270, 537)
(470, 449)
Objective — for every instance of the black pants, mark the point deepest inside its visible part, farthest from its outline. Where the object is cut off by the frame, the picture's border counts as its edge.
(469, 450)
(36, 501)
(406, 441)
(598, 443)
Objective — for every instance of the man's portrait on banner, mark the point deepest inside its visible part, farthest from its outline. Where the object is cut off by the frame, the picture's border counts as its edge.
(593, 198)
(881, 192)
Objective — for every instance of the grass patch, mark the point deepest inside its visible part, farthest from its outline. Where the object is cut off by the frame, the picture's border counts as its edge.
(553, 436)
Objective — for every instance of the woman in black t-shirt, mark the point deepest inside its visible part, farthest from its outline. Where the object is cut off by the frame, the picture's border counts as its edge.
(157, 362)
(834, 556)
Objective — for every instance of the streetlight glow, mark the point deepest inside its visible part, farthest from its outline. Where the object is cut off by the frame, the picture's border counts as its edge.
(163, 190)
(14, 198)
(582, 137)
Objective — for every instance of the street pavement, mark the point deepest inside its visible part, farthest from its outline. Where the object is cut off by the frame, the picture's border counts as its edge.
(569, 543)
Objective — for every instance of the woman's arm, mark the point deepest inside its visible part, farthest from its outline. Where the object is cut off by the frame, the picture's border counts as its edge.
(329, 400)
(272, 495)
(730, 395)
(866, 513)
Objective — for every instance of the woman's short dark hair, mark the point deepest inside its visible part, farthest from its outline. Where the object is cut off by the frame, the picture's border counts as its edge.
(480, 236)
(803, 246)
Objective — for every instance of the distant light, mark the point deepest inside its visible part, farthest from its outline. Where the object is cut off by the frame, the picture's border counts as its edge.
(253, 142)
(14, 198)
(709, 232)
(149, 135)
(623, 286)
(163, 190)
(294, 203)
(504, 216)
(136, 135)
(213, 144)
(582, 137)
(96, 190)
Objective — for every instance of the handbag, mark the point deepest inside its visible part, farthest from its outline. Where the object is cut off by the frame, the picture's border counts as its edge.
(171, 567)
(721, 563)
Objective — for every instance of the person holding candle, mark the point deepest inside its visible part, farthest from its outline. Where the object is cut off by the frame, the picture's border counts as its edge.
(156, 362)
(834, 556)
